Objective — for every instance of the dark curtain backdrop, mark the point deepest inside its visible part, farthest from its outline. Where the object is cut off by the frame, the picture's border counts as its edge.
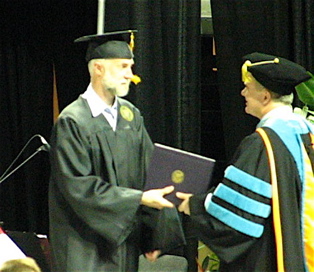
(36, 37)
(277, 27)
(25, 90)
(169, 47)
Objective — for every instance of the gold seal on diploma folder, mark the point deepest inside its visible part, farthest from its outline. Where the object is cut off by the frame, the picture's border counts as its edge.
(177, 176)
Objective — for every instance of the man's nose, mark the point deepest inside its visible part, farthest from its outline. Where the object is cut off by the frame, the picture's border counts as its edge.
(129, 73)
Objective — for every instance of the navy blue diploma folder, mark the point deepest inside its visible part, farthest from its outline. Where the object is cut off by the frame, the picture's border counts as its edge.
(188, 172)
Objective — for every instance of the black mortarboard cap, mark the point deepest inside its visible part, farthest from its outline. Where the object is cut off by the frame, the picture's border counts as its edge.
(274, 73)
(109, 45)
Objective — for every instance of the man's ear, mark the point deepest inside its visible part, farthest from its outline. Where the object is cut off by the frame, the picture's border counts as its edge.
(98, 68)
(267, 97)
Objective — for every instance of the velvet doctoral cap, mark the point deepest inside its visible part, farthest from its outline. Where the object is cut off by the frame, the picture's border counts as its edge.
(277, 74)
(109, 45)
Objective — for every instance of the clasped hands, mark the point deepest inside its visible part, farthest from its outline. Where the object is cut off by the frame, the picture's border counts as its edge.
(154, 198)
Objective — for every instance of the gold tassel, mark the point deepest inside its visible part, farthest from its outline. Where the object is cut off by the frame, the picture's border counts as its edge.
(246, 75)
(136, 79)
(132, 44)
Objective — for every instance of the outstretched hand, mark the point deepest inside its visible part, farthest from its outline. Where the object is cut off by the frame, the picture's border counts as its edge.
(155, 198)
(185, 204)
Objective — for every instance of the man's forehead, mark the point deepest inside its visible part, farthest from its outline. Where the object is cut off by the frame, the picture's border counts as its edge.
(254, 84)
(120, 61)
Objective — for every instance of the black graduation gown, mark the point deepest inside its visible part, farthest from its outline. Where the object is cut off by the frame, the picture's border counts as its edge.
(94, 192)
(240, 251)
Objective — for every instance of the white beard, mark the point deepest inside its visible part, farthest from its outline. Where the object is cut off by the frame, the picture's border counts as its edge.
(116, 89)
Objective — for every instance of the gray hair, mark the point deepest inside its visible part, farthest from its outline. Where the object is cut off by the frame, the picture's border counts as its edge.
(91, 65)
(278, 98)
(284, 99)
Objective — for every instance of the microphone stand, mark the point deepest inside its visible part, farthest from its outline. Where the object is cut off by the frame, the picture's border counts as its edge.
(25, 161)
(45, 147)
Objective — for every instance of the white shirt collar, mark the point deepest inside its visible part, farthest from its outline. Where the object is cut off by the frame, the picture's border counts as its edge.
(96, 104)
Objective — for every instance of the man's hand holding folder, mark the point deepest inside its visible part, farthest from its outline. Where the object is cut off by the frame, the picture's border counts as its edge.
(155, 198)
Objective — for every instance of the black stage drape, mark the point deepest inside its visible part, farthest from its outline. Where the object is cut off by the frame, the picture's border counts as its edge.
(276, 27)
(25, 90)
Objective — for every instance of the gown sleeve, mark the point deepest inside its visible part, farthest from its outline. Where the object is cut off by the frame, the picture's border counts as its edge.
(235, 216)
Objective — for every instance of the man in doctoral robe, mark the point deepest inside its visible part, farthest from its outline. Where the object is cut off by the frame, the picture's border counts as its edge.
(259, 218)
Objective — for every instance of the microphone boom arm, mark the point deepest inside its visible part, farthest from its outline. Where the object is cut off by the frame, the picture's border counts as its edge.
(18, 167)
